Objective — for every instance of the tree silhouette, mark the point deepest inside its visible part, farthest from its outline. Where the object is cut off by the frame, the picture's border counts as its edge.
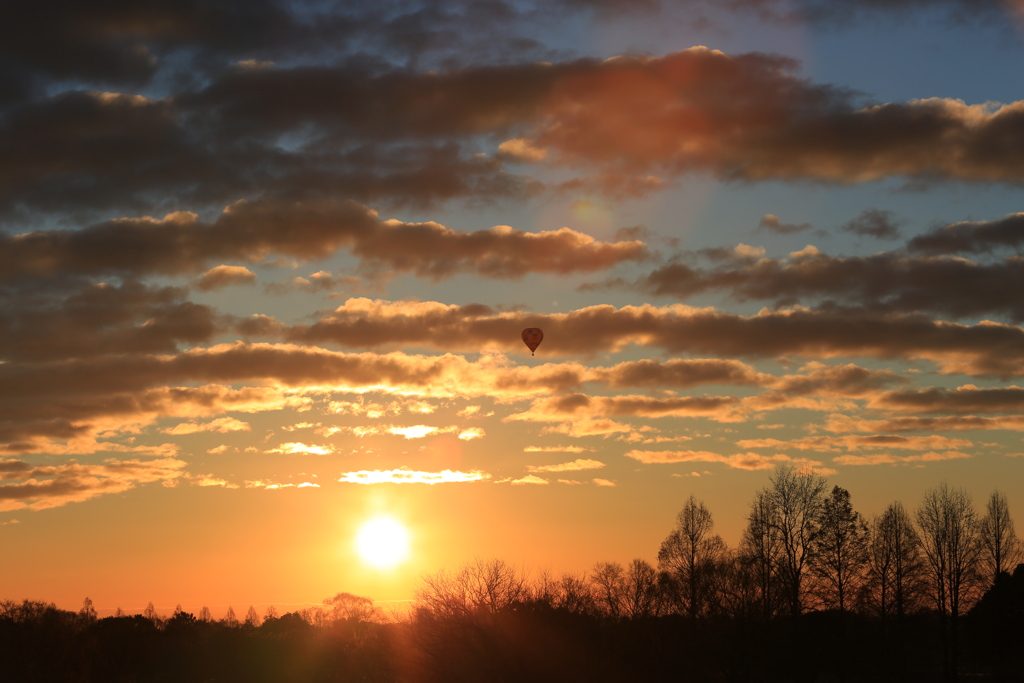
(252, 620)
(689, 555)
(840, 549)
(952, 545)
(88, 612)
(609, 585)
(795, 499)
(229, 617)
(760, 552)
(641, 595)
(1001, 549)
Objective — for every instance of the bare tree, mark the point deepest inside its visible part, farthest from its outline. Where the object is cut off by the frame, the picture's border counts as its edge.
(609, 584)
(760, 551)
(349, 607)
(840, 545)
(252, 619)
(895, 565)
(795, 498)
(481, 586)
(952, 545)
(641, 593)
(88, 611)
(574, 594)
(150, 613)
(204, 614)
(689, 554)
(1001, 549)
(229, 617)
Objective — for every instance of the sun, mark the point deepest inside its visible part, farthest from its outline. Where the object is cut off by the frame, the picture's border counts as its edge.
(382, 542)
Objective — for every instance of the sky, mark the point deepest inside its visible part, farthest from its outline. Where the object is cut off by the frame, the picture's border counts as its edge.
(265, 265)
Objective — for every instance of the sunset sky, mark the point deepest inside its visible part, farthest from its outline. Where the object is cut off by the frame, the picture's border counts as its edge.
(264, 267)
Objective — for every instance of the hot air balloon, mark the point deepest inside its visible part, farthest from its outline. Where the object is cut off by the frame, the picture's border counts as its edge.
(532, 337)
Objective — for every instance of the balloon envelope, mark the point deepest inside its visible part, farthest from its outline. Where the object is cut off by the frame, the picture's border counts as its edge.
(532, 337)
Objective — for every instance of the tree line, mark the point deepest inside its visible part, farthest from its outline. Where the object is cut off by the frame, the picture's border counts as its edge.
(814, 591)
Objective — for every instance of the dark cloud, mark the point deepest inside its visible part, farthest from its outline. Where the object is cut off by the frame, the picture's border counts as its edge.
(101, 319)
(963, 400)
(750, 118)
(886, 281)
(972, 236)
(411, 137)
(771, 223)
(875, 223)
(983, 349)
(842, 424)
(48, 486)
(251, 231)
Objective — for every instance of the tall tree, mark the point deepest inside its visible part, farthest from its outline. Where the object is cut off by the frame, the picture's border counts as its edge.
(689, 554)
(760, 549)
(795, 499)
(896, 566)
(1001, 549)
(952, 546)
(840, 549)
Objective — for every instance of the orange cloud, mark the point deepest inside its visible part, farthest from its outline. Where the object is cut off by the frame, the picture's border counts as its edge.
(574, 466)
(404, 475)
(854, 443)
(298, 448)
(224, 276)
(530, 479)
(839, 423)
(889, 459)
(742, 461)
(48, 486)
(221, 424)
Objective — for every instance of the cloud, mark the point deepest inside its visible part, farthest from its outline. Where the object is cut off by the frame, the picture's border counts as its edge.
(530, 479)
(604, 482)
(299, 448)
(225, 276)
(972, 236)
(208, 481)
(253, 230)
(855, 443)
(38, 421)
(886, 281)
(221, 424)
(404, 475)
(48, 486)
(888, 459)
(874, 223)
(771, 223)
(817, 333)
(55, 322)
(518, 149)
(839, 423)
(741, 461)
(963, 399)
(578, 406)
(574, 466)
(557, 449)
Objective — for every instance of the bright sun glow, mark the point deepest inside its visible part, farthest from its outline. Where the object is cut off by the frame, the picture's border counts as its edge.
(382, 542)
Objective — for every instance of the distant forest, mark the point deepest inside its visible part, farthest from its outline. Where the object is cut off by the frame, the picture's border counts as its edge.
(814, 592)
